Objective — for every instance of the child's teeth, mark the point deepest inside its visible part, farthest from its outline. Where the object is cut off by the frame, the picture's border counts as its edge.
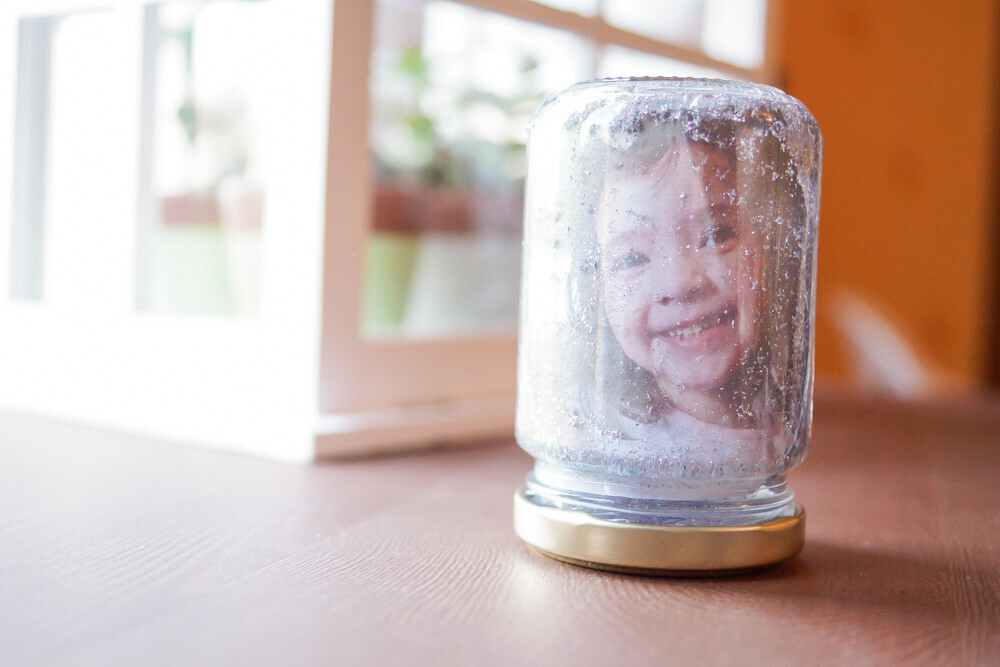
(689, 331)
(697, 328)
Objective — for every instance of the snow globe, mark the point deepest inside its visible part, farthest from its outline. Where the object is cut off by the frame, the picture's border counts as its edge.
(665, 362)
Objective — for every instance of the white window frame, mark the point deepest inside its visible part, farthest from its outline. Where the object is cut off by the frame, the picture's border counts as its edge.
(301, 382)
(244, 385)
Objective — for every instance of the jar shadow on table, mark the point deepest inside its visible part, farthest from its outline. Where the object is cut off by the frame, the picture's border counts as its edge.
(832, 579)
(924, 602)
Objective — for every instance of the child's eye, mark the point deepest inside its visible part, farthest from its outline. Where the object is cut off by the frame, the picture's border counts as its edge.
(717, 236)
(629, 260)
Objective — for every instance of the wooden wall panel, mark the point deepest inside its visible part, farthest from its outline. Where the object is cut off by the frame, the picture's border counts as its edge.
(906, 96)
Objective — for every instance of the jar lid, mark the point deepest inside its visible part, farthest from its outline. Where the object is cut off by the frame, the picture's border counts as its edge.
(576, 537)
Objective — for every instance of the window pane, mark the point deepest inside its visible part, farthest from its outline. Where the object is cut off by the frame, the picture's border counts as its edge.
(727, 30)
(453, 89)
(73, 99)
(735, 30)
(619, 61)
(677, 21)
(140, 156)
(202, 195)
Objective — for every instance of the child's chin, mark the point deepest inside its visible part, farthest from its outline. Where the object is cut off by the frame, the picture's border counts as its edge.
(698, 379)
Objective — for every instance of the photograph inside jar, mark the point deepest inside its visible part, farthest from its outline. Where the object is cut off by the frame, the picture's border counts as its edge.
(681, 279)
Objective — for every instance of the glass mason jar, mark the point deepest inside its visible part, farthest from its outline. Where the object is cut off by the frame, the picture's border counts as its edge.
(665, 364)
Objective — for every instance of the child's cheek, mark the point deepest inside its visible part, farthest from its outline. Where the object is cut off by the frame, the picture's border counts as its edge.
(623, 291)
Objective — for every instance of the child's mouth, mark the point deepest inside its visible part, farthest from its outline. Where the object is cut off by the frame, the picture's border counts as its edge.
(687, 330)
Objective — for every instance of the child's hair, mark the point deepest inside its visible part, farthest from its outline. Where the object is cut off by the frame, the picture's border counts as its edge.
(630, 138)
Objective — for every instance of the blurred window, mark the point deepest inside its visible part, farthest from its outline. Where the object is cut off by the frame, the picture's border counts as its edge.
(147, 128)
(162, 192)
(452, 90)
(230, 221)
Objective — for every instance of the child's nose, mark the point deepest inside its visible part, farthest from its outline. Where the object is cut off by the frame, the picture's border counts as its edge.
(681, 278)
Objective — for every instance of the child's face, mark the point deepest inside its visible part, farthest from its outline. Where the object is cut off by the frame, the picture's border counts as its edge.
(680, 270)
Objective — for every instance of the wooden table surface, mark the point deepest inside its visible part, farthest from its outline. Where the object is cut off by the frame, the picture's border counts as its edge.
(121, 551)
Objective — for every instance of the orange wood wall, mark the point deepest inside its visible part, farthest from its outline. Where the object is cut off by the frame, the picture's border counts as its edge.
(905, 93)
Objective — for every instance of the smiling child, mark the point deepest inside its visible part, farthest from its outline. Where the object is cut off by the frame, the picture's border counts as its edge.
(696, 227)
(681, 275)
(665, 341)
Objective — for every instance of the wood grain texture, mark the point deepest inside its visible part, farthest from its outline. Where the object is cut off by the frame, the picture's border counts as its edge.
(117, 550)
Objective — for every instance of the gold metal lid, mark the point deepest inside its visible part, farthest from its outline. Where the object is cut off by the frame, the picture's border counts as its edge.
(581, 539)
